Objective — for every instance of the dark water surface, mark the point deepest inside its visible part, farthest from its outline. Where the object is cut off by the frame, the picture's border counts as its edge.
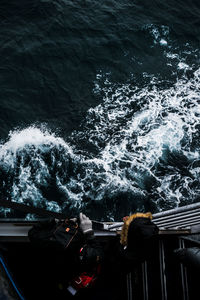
(100, 105)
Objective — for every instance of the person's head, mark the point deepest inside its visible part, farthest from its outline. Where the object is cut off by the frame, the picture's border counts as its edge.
(137, 229)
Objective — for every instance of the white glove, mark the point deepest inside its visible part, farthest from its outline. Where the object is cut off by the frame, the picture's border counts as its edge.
(85, 224)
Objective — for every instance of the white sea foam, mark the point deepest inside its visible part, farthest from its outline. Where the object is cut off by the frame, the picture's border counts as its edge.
(22, 157)
(146, 142)
(169, 119)
(31, 136)
(135, 141)
(163, 42)
(159, 33)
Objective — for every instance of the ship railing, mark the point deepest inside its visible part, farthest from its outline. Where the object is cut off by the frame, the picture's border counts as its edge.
(181, 218)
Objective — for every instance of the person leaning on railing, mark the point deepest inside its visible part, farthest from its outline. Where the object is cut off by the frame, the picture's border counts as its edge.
(118, 257)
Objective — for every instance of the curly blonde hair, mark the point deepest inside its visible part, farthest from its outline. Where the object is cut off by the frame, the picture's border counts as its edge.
(127, 222)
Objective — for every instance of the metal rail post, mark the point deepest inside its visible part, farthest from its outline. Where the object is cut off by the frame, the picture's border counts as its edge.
(162, 270)
(129, 286)
(184, 274)
(145, 281)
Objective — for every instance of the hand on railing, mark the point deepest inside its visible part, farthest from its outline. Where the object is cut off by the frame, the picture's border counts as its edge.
(85, 224)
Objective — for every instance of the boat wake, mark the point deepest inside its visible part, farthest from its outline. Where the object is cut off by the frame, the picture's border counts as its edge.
(137, 150)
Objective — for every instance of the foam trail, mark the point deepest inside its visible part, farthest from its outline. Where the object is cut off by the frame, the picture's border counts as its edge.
(152, 138)
(146, 144)
(137, 150)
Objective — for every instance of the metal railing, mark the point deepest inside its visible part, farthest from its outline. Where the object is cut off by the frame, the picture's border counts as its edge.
(181, 217)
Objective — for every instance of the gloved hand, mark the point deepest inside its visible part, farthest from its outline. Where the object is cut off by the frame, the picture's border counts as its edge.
(85, 224)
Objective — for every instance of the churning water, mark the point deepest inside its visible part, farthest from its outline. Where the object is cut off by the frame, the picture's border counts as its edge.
(100, 107)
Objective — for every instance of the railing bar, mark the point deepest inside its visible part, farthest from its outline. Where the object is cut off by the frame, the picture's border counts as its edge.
(179, 224)
(177, 210)
(145, 281)
(179, 221)
(129, 287)
(178, 216)
(162, 271)
(184, 275)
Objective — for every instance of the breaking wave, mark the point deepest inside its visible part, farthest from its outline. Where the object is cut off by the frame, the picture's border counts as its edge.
(137, 150)
(144, 153)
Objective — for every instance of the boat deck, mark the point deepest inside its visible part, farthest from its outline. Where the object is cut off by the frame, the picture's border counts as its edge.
(162, 277)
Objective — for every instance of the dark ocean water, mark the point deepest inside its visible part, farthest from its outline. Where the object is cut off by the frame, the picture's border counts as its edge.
(100, 105)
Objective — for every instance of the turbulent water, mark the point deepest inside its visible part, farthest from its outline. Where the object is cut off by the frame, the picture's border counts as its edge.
(99, 106)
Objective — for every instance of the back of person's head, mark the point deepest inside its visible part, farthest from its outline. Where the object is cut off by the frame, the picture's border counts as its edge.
(138, 232)
(141, 231)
